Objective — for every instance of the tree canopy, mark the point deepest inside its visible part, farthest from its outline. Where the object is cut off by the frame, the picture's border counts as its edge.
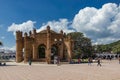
(112, 47)
(82, 45)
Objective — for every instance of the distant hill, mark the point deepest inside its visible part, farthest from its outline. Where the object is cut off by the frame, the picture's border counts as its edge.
(112, 47)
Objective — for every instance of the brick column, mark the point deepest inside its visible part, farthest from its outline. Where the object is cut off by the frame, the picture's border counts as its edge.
(48, 51)
(34, 52)
(19, 46)
(26, 48)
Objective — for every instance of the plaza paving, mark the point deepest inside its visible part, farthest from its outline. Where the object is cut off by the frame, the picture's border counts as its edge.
(110, 70)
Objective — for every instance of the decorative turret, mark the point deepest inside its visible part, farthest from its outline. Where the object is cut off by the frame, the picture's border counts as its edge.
(34, 31)
(18, 34)
(25, 34)
(30, 33)
(61, 31)
(48, 29)
(64, 35)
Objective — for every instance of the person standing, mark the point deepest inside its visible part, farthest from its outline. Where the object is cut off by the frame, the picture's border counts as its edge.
(98, 62)
(58, 60)
(79, 60)
(55, 59)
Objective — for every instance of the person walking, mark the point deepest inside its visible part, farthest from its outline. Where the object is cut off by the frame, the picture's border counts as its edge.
(58, 60)
(79, 60)
(55, 59)
(89, 61)
(119, 60)
(98, 62)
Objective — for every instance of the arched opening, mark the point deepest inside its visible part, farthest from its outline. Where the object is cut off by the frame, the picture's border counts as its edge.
(116, 56)
(54, 51)
(104, 57)
(108, 57)
(41, 51)
(112, 56)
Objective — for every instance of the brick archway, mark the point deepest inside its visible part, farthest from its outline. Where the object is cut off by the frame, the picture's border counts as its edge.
(41, 51)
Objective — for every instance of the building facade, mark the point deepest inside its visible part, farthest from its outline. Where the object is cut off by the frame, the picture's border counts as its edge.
(43, 46)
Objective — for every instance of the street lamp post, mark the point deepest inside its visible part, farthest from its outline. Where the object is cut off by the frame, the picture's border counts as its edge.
(58, 42)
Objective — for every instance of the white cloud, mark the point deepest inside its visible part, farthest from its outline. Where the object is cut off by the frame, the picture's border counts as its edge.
(25, 26)
(62, 24)
(102, 24)
(106, 40)
(13, 48)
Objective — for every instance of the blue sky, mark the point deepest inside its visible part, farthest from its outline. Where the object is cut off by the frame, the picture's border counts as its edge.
(51, 12)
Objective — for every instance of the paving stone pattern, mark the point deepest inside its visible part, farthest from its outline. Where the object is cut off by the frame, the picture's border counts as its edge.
(110, 70)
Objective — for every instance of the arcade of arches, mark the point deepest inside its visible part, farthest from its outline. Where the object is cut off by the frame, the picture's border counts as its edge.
(43, 46)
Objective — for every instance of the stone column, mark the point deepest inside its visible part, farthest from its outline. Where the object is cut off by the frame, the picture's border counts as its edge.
(19, 46)
(34, 52)
(61, 47)
(61, 50)
(48, 51)
(34, 45)
(69, 49)
(26, 48)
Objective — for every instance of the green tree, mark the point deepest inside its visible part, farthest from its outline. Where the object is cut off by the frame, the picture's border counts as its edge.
(82, 45)
(111, 47)
(116, 49)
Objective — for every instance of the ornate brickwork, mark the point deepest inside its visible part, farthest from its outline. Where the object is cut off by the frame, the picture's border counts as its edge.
(42, 46)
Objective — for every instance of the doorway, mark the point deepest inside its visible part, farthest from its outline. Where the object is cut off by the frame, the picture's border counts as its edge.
(41, 51)
(54, 52)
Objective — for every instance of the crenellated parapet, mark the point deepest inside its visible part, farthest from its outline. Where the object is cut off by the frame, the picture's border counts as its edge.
(23, 42)
(34, 32)
(18, 35)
